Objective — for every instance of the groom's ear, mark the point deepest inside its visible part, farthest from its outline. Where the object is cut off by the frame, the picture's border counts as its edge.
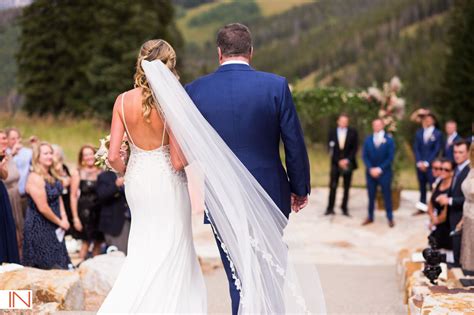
(219, 54)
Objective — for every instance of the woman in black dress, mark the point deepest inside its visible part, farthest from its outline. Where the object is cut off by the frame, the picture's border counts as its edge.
(46, 221)
(85, 204)
(437, 212)
(8, 237)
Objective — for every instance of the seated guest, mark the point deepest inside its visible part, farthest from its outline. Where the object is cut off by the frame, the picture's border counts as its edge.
(114, 215)
(46, 221)
(343, 144)
(454, 199)
(437, 173)
(378, 153)
(438, 213)
(426, 147)
(451, 137)
(8, 237)
(467, 244)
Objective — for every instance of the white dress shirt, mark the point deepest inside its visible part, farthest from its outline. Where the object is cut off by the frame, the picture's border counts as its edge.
(427, 133)
(451, 138)
(341, 137)
(379, 137)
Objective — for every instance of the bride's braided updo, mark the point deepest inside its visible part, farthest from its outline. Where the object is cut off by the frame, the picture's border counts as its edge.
(152, 50)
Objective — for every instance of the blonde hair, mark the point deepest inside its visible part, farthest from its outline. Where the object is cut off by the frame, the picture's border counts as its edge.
(152, 50)
(51, 175)
(471, 154)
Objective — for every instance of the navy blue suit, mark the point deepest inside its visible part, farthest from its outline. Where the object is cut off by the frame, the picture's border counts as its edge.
(448, 150)
(382, 157)
(426, 152)
(252, 111)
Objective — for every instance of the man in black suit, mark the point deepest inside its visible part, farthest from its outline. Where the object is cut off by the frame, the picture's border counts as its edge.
(455, 197)
(343, 143)
(115, 214)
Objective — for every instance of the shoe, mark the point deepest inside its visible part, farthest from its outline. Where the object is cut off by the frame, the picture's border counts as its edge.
(367, 222)
(391, 223)
(418, 212)
(346, 213)
(329, 212)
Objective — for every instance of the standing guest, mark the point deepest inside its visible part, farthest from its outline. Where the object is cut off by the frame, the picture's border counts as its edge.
(428, 142)
(22, 157)
(46, 221)
(343, 143)
(11, 183)
(8, 237)
(114, 214)
(378, 153)
(65, 176)
(467, 243)
(451, 137)
(454, 199)
(436, 172)
(85, 205)
(438, 213)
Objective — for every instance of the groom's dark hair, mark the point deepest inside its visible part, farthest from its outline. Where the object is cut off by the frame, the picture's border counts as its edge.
(234, 40)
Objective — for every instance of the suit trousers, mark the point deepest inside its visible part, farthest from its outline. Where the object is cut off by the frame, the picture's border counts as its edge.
(333, 183)
(424, 179)
(385, 182)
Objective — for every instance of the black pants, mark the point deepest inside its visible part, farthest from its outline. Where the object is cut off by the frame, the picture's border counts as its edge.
(334, 180)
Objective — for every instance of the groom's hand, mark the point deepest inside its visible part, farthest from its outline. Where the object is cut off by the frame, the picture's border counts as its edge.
(298, 202)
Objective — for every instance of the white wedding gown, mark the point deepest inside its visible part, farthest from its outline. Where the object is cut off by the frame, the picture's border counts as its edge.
(161, 273)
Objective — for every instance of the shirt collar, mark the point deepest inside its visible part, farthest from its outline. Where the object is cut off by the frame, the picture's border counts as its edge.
(379, 134)
(339, 129)
(451, 137)
(430, 129)
(463, 165)
(235, 62)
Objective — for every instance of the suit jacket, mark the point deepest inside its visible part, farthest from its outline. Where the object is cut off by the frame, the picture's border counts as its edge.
(448, 150)
(455, 210)
(252, 111)
(350, 147)
(113, 204)
(379, 157)
(430, 150)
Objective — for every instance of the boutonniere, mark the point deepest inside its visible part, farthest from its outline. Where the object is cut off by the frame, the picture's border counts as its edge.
(433, 138)
(332, 144)
(384, 141)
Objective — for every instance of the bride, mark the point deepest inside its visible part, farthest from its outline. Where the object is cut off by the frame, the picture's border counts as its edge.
(161, 273)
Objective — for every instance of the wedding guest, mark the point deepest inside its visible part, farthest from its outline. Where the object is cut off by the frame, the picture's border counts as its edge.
(11, 183)
(436, 172)
(22, 157)
(427, 147)
(85, 205)
(44, 246)
(437, 212)
(114, 214)
(454, 199)
(378, 153)
(343, 144)
(451, 137)
(65, 177)
(8, 237)
(467, 243)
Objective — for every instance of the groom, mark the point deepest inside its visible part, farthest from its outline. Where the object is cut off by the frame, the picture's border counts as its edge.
(252, 111)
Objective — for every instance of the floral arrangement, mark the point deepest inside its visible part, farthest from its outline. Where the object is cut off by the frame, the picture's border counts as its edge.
(391, 106)
(102, 154)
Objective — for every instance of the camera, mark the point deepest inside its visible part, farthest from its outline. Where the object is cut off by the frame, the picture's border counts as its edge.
(433, 260)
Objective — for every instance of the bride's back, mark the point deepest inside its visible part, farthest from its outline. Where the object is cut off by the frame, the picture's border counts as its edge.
(145, 135)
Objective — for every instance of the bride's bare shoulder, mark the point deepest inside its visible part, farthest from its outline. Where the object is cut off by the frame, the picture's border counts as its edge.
(129, 96)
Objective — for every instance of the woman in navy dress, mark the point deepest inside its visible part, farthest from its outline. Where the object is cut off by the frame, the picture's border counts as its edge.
(8, 241)
(46, 220)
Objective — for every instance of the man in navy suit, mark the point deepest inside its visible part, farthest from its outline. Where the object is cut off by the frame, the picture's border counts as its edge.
(378, 153)
(427, 146)
(252, 111)
(451, 137)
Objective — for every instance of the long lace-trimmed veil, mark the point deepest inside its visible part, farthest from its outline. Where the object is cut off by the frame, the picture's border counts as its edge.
(243, 216)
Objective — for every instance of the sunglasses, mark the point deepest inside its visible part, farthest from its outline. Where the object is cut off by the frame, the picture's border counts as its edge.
(445, 169)
(437, 168)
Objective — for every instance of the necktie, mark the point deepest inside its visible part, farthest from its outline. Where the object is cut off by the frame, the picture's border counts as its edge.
(456, 173)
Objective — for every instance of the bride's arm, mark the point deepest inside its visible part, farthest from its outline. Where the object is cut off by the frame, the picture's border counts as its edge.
(177, 157)
(116, 135)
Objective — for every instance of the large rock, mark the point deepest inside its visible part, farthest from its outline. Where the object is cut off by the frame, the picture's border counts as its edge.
(52, 289)
(98, 275)
(442, 300)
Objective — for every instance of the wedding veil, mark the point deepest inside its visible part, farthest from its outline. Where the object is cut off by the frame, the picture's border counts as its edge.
(243, 216)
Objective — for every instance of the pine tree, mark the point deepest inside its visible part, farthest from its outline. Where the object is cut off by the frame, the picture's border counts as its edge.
(77, 56)
(457, 94)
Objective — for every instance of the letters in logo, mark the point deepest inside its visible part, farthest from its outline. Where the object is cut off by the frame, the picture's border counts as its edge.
(16, 300)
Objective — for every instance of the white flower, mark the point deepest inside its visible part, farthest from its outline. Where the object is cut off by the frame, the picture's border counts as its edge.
(376, 94)
(395, 84)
